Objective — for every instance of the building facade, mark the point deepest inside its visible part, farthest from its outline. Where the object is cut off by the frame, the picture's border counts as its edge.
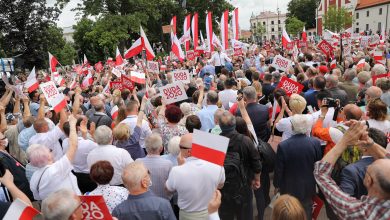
(372, 16)
(67, 33)
(273, 24)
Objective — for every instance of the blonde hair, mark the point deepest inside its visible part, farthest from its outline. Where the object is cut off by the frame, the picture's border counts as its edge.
(297, 103)
(287, 207)
(258, 87)
(121, 132)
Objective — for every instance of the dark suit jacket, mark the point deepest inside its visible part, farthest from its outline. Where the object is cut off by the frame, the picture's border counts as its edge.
(295, 160)
(259, 116)
(311, 99)
(352, 176)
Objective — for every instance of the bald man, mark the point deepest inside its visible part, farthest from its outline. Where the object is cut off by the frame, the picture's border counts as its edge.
(373, 92)
(195, 181)
(377, 179)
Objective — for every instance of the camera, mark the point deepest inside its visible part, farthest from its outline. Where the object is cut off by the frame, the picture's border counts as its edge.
(330, 102)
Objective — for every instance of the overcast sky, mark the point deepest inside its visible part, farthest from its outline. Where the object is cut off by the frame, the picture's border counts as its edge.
(246, 7)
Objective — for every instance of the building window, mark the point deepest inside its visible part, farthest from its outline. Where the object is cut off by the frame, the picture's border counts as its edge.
(357, 30)
(273, 37)
(272, 22)
(357, 23)
(368, 13)
(379, 26)
(278, 21)
(357, 15)
(367, 27)
(272, 29)
(263, 22)
(380, 11)
(279, 29)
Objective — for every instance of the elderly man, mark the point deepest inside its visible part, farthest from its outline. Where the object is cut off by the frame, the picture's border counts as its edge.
(99, 117)
(118, 157)
(377, 179)
(319, 84)
(141, 203)
(332, 85)
(295, 163)
(206, 115)
(62, 204)
(195, 182)
(159, 167)
(348, 86)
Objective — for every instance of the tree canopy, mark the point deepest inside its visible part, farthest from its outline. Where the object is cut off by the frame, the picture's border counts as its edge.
(337, 19)
(303, 10)
(294, 26)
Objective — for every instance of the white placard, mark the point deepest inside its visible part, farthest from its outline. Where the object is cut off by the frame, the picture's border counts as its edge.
(281, 63)
(174, 92)
(116, 72)
(152, 67)
(181, 76)
(52, 95)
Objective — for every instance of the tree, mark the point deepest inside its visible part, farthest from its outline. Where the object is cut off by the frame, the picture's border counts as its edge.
(24, 26)
(303, 10)
(294, 26)
(337, 19)
(259, 31)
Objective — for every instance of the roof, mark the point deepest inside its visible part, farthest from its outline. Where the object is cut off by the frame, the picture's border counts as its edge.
(370, 3)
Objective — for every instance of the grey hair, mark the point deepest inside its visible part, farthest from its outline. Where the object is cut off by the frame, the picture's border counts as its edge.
(212, 97)
(350, 74)
(59, 205)
(103, 135)
(173, 146)
(333, 80)
(133, 174)
(153, 144)
(250, 93)
(300, 124)
(185, 107)
(38, 155)
(227, 119)
(378, 69)
(239, 74)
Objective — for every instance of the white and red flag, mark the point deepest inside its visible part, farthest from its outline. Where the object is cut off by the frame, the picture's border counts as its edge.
(134, 50)
(137, 77)
(176, 49)
(55, 99)
(173, 24)
(333, 64)
(216, 41)
(88, 80)
(285, 38)
(99, 66)
(361, 63)
(114, 112)
(145, 43)
(187, 31)
(235, 26)
(32, 82)
(225, 30)
(118, 57)
(53, 62)
(106, 89)
(20, 211)
(194, 27)
(209, 31)
(60, 81)
(85, 60)
(378, 57)
(304, 34)
(209, 147)
(72, 84)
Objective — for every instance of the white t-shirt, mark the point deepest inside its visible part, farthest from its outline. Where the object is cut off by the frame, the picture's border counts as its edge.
(131, 121)
(80, 159)
(226, 96)
(195, 182)
(50, 140)
(381, 125)
(284, 125)
(52, 178)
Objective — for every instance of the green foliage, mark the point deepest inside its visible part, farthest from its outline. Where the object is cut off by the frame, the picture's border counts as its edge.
(303, 10)
(337, 19)
(294, 26)
(260, 30)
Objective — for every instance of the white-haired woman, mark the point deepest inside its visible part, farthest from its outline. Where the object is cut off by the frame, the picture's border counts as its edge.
(173, 149)
(52, 176)
(186, 109)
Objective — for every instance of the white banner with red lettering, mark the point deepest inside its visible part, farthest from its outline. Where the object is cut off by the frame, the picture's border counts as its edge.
(172, 93)
(181, 76)
(55, 99)
(152, 67)
(281, 63)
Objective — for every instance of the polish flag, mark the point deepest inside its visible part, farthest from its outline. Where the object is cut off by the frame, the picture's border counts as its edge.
(202, 40)
(60, 81)
(285, 38)
(135, 49)
(216, 41)
(333, 64)
(53, 62)
(163, 67)
(194, 30)
(118, 57)
(209, 147)
(304, 35)
(235, 26)
(99, 66)
(209, 31)
(378, 57)
(138, 77)
(187, 31)
(225, 30)
(20, 210)
(32, 82)
(73, 84)
(361, 63)
(85, 60)
(176, 49)
(114, 112)
(173, 24)
(145, 43)
(88, 80)
(107, 89)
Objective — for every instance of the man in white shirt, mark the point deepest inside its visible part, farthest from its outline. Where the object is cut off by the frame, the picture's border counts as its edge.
(131, 121)
(218, 59)
(195, 181)
(228, 95)
(118, 157)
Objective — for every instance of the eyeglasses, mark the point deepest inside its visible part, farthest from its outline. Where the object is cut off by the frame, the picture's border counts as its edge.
(184, 148)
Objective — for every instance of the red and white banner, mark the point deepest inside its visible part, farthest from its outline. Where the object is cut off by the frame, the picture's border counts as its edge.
(60, 81)
(285, 38)
(235, 25)
(137, 77)
(301, 43)
(361, 63)
(72, 84)
(333, 64)
(290, 86)
(173, 24)
(152, 67)
(209, 147)
(281, 63)
(304, 35)
(116, 85)
(55, 99)
(94, 207)
(85, 60)
(114, 112)
(32, 82)
(52, 62)
(126, 82)
(316, 207)
(99, 66)
(326, 48)
(88, 80)
(378, 57)
(190, 55)
(173, 92)
(181, 76)
(118, 57)
(194, 27)
(374, 78)
(238, 51)
(135, 49)
(106, 89)
(145, 43)
(187, 31)
(209, 31)
(176, 49)
(290, 45)
(20, 211)
(117, 72)
(163, 67)
(225, 30)
(216, 41)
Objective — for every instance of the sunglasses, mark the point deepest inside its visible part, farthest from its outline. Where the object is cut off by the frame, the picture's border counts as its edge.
(184, 148)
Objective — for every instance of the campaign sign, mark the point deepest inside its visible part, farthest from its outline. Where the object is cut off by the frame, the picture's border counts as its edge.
(126, 83)
(181, 76)
(281, 63)
(53, 96)
(152, 67)
(290, 86)
(290, 45)
(374, 78)
(316, 208)
(190, 55)
(237, 51)
(301, 44)
(116, 85)
(172, 93)
(95, 208)
(325, 47)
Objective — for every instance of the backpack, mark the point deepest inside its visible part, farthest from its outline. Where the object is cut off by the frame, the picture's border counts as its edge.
(236, 184)
(267, 156)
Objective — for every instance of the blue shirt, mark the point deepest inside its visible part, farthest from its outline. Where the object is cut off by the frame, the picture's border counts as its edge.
(132, 144)
(24, 137)
(206, 116)
(207, 68)
(229, 66)
(144, 206)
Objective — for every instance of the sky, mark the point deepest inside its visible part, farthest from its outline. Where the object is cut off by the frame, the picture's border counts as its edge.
(246, 7)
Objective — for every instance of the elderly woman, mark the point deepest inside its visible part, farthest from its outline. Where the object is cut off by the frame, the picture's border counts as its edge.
(168, 119)
(297, 105)
(377, 113)
(101, 173)
(52, 176)
(173, 149)
(185, 107)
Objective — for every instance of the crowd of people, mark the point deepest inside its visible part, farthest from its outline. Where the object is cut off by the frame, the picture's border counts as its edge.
(334, 136)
